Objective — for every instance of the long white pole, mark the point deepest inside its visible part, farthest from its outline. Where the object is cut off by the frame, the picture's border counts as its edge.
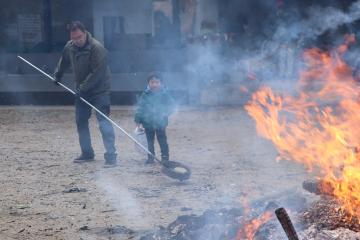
(93, 107)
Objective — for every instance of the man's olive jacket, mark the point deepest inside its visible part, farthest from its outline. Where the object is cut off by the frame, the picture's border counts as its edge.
(90, 66)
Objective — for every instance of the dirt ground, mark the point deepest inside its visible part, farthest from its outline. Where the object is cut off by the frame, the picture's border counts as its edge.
(229, 162)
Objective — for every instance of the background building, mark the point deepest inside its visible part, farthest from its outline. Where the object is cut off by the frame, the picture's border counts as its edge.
(194, 43)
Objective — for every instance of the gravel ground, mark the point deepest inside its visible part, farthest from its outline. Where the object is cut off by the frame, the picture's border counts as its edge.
(229, 163)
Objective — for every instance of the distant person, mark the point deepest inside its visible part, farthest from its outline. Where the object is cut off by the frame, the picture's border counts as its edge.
(153, 110)
(89, 61)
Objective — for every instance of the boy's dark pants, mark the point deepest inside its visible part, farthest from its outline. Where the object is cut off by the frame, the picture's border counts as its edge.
(162, 139)
(83, 113)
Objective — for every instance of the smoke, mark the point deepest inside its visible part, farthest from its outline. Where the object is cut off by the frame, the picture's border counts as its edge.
(319, 21)
(121, 199)
(270, 55)
(206, 62)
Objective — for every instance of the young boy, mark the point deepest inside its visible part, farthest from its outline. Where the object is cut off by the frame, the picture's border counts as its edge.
(154, 107)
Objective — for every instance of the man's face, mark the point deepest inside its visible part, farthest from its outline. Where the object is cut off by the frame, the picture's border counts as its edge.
(155, 84)
(78, 37)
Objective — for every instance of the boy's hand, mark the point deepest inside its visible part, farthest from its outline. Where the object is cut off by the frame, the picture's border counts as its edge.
(139, 129)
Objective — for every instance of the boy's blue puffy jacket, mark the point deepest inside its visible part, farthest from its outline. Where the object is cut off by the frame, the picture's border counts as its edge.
(154, 108)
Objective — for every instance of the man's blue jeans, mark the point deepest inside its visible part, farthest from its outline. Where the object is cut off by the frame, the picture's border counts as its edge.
(83, 114)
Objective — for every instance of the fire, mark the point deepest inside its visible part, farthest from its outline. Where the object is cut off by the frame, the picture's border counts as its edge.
(250, 227)
(249, 230)
(320, 126)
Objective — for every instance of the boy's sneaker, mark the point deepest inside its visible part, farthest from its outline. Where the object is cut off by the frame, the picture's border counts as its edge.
(84, 158)
(149, 161)
(165, 161)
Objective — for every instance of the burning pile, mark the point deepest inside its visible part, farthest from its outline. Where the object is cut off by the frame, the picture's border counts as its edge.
(321, 222)
(320, 126)
(212, 225)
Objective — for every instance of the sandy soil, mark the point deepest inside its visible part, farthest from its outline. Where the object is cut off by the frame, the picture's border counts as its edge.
(229, 162)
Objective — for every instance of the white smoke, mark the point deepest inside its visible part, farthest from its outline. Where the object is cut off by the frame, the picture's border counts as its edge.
(319, 21)
(273, 57)
(121, 199)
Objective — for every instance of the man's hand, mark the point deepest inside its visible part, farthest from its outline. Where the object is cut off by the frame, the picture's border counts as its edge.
(57, 81)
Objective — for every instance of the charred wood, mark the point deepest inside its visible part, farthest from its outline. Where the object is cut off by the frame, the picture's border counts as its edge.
(286, 223)
(318, 187)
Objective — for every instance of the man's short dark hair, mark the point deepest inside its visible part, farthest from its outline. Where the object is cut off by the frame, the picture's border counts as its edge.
(76, 25)
(154, 75)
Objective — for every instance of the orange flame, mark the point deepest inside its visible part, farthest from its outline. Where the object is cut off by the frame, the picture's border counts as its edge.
(250, 229)
(251, 226)
(320, 126)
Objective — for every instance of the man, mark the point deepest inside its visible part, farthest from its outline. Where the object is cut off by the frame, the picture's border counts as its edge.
(88, 59)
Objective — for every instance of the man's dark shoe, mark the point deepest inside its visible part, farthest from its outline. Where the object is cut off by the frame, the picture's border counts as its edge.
(110, 163)
(110, 160)
(84, 158)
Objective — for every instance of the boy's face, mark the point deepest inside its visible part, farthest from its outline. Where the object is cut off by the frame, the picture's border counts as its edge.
(154, 84)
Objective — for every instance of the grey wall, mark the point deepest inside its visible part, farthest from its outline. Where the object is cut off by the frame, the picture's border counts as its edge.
(137, 15)
(206, 10)
(17, 76)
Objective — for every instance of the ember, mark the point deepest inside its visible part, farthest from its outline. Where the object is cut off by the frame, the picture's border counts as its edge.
(254, 221)
(250, 229)
(327, 214)
(323, 220)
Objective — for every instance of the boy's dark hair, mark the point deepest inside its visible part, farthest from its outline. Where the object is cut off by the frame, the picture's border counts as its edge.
(154, 75)
(76, 25)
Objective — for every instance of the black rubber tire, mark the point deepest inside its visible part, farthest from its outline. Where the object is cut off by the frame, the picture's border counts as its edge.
(168, 170)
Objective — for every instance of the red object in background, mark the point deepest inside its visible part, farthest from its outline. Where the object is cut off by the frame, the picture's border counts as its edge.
(251, 76)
